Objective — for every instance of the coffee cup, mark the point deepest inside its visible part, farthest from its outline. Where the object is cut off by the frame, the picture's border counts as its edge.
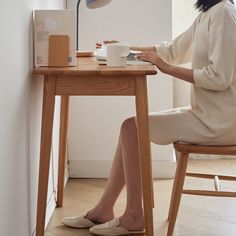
(117, 54)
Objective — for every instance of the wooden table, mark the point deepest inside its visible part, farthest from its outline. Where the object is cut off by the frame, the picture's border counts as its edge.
(89, 78)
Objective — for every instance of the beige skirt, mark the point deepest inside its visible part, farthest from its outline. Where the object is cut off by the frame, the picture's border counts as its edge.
(180, 124)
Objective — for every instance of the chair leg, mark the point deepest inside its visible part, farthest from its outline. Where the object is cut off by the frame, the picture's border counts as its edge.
(172, 195)
(177, 191)
(174, 187)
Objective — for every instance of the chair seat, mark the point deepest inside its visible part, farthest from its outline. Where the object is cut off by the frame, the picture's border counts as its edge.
(205, 149)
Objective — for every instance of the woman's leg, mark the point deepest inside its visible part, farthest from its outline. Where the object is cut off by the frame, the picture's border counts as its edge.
(125, 169)
(103, 211)
(133, 218)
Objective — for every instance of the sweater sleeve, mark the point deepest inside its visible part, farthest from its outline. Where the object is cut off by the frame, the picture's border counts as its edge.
(179, 51)
(221, 71)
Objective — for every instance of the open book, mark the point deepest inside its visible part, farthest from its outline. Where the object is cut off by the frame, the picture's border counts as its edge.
(101, 56)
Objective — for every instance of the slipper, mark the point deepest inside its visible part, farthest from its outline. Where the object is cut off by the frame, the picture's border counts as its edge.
(111, 228)
(79, 222)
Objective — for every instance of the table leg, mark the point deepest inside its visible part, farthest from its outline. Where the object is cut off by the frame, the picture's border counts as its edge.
(62, 148)
(45, 150)
(144, 151)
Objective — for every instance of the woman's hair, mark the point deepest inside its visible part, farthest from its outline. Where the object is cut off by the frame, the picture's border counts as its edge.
(204, 5)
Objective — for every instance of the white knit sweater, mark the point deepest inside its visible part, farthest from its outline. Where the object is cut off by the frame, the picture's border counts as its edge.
(210, 44)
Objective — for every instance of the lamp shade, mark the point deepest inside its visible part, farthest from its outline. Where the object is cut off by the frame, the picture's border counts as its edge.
(96, 3)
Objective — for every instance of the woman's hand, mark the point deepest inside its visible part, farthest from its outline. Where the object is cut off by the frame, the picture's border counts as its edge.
(156, 60)
(176, 71)
(99, 45)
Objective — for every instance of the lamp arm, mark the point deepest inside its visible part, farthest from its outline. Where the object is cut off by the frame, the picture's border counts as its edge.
(77, 25)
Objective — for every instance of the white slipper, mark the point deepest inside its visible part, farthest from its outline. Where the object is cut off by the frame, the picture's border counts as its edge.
(111, 228)
(79, 222)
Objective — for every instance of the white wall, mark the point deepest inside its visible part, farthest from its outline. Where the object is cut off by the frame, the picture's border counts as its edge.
(20, 115)
(95, 121)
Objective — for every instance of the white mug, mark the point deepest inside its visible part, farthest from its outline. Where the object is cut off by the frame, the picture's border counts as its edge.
(117, 54)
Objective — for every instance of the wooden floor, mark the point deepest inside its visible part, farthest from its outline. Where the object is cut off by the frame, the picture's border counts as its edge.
(198, 216)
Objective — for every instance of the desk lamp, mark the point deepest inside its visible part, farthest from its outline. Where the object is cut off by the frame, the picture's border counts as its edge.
(92, 4)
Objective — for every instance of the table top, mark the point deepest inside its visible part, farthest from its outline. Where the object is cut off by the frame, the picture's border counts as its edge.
(89, 66)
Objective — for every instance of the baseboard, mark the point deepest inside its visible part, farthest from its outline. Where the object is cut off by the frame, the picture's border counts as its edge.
(101, 168)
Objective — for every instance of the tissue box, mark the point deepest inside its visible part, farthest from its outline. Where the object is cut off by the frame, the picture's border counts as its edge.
(53, 22)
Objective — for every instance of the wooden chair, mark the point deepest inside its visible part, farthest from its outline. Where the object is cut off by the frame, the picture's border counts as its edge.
(184, 150)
